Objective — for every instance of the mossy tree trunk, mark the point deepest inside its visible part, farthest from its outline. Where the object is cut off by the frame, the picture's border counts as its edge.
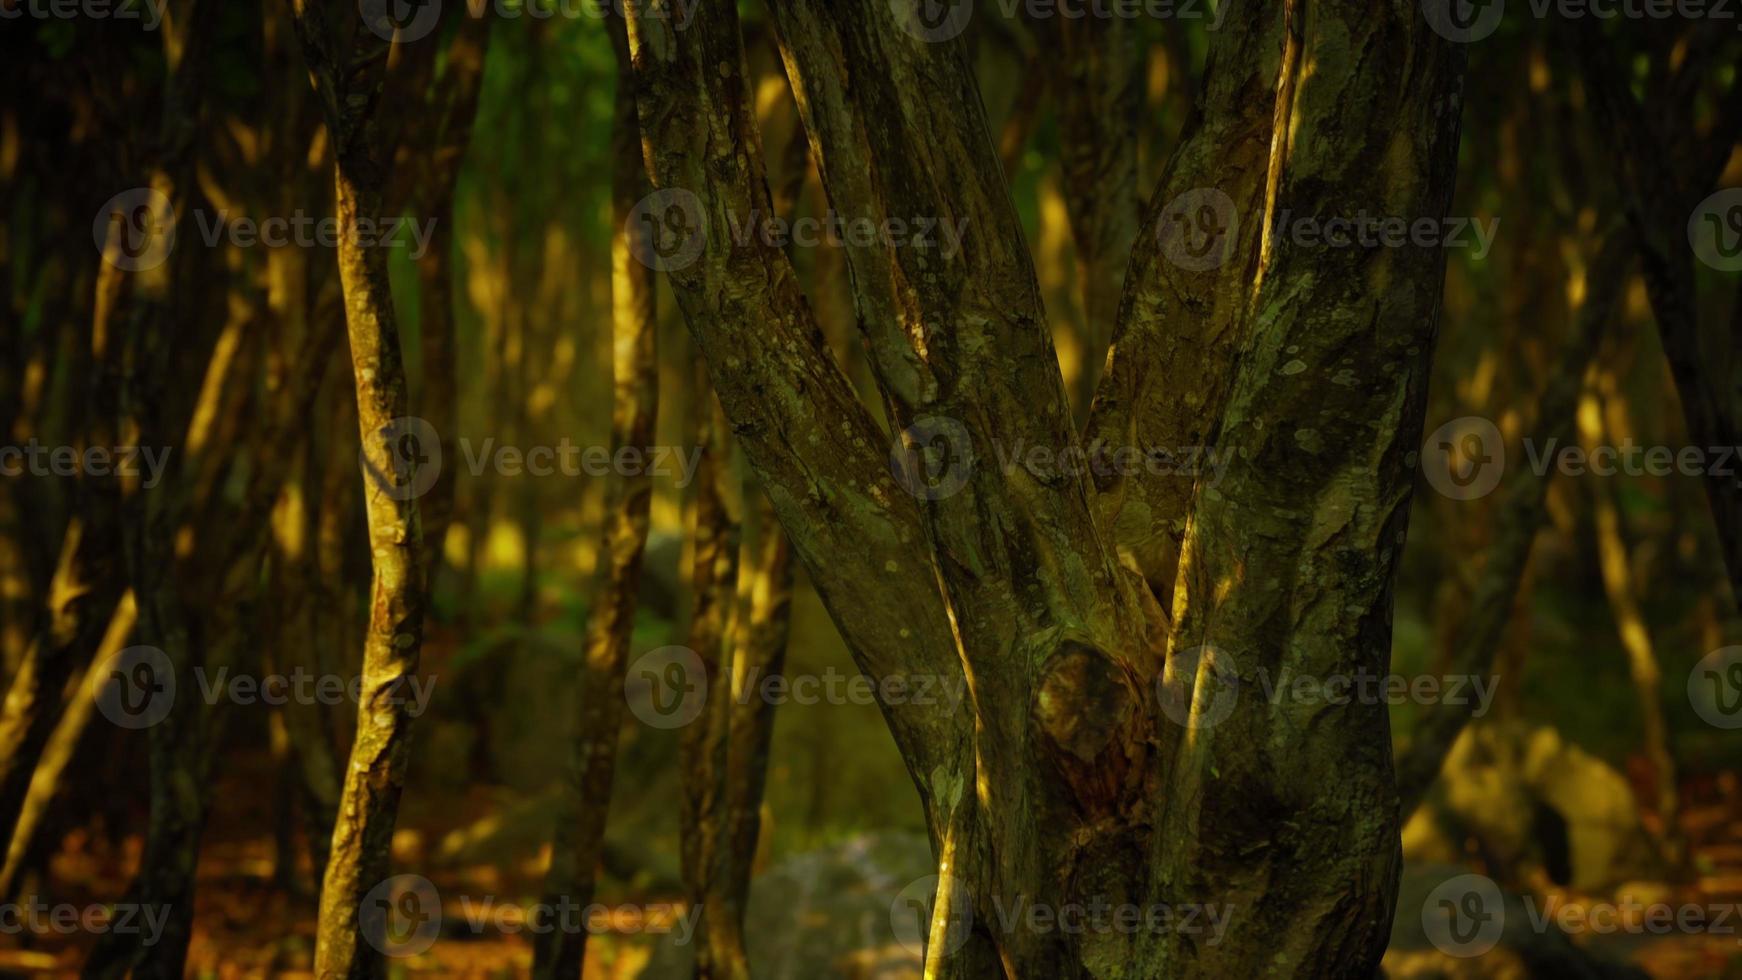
(1072, 608)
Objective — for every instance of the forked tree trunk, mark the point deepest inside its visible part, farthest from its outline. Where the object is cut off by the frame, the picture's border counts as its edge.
(741, 581)
(1062, 781)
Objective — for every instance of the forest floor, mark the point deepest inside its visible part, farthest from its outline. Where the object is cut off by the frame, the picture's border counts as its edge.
(248, 925)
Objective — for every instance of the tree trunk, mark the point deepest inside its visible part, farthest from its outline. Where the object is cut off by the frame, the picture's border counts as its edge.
(758, 648)
(453, 104)
(1098, 93)
(58, 754)
(1596, 429)
(580, 830)
(87, 575)
(348, 81)
(705, 741)
(150, 519)
(1664, 166)
(1060, 783)
(1522, 511)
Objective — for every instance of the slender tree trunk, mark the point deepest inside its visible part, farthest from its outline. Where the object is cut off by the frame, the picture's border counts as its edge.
(20, 592)
(586, 799)
(742, 583)
(1521, 513)
(151, 517)
(58, 754)
(1664, 166)
(1618, 584)
(305, 354)
(1098, 93)
(453, 104)
(348, 81)
(293, 589)
(758, 647)
(87, 575)
(705, 741)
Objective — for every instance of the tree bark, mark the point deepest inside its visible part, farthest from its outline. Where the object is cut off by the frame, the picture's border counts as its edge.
(88, 574)
(347, 78)
(1058, 782)
(150, 518)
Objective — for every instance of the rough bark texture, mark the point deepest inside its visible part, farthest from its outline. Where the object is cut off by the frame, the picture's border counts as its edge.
(346, 69)
(580, 832)
(1181, 319)
(816, 450)
(1059, 781)
(1288, 809)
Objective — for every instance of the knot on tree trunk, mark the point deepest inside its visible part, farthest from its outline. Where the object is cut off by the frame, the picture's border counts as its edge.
(1087, 715)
